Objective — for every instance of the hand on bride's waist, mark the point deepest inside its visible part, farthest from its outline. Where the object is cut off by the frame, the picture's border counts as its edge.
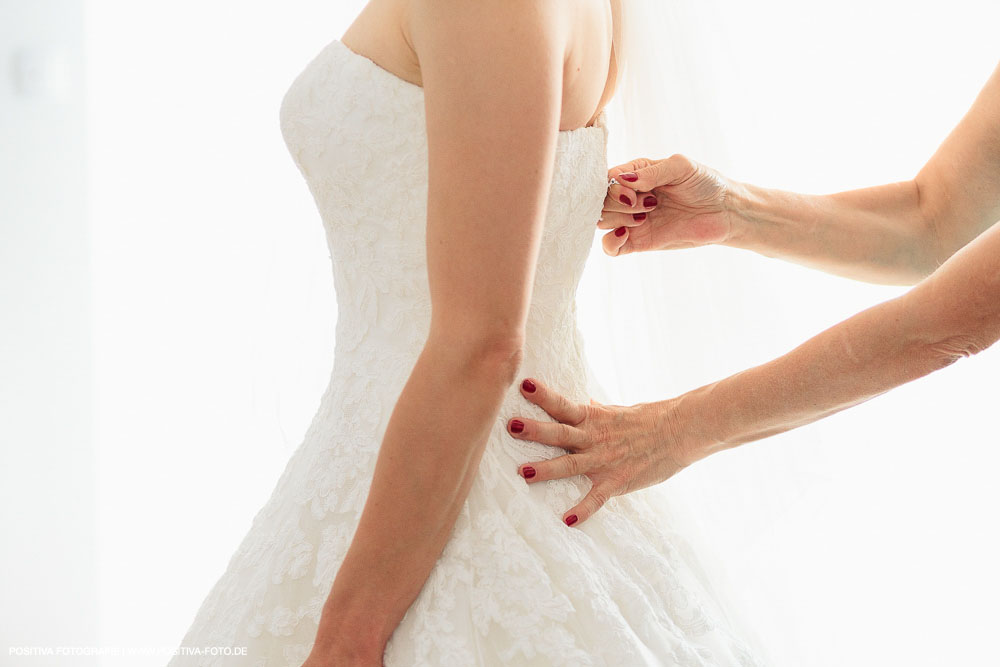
(620, 448)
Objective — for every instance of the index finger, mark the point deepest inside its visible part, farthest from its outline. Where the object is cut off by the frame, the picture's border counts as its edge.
(628, 168)
(555, 404)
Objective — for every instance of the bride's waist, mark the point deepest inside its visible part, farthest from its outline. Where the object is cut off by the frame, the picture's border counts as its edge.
(364, 389)
(402, 332)
(377, 348)
(556, 358)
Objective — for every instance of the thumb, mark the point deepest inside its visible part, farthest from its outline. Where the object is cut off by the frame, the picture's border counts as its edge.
(588, 506)
(670, 171)
(625, 240)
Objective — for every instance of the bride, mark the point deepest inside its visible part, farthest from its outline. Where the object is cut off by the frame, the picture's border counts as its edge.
(456, 152)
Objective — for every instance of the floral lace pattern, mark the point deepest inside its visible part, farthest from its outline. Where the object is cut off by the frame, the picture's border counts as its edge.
(513, 586)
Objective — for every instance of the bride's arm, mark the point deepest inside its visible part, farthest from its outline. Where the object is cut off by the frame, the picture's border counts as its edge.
(492, 77)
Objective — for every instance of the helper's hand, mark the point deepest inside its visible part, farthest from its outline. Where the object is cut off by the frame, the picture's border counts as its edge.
(620, 448)
(693, 206)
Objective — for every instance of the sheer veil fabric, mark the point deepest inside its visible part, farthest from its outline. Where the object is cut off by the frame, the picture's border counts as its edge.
(652, 321)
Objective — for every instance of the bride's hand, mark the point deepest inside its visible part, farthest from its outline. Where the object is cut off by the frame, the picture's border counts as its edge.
(693, 206)
(339, 660)
(620, 448)
(340, 643)
(340, 657)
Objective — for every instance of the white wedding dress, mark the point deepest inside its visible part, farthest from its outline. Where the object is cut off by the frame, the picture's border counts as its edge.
(514, 585)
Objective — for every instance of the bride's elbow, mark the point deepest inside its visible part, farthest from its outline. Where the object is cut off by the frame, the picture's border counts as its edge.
(494, 356)
(502, 359)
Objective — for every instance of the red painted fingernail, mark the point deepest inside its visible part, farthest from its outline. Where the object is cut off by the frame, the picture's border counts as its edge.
(571, 519)
(638, 217)
(629, 176)
(529, 386)
(625, 200)
(649, 201)
(528, 472)
(620, 231)
(516, 426)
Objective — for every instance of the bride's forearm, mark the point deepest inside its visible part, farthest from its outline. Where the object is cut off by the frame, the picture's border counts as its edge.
(877, 234)
(428, 459)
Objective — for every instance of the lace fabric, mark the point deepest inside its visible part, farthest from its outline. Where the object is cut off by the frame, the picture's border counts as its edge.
(513, 585)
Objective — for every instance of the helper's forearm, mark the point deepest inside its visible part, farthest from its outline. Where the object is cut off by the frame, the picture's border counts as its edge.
(896, 233)
(858, 359)
(429, 456)
(877, 234)
(953, 313)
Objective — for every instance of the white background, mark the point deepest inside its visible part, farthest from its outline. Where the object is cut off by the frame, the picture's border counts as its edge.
(205, 287)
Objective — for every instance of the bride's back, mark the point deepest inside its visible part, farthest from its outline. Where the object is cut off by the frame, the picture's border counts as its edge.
(459, 222)
(385, 32)
(358, 130)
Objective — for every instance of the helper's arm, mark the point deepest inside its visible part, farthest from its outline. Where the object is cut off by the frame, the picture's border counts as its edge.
(897, 233)
(952, 314)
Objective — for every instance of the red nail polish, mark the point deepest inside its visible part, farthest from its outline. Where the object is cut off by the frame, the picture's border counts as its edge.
(528, 472)
(638, 217)
(625, 200)
(529, 386)
(516, 426)
(629, 176)
(571, 519)
(620, 231)
(649, 201)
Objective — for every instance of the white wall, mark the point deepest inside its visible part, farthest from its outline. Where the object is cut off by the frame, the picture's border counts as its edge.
(213, 317)
(867, 539)
(214, 308)
(891, 561)
(47, 548)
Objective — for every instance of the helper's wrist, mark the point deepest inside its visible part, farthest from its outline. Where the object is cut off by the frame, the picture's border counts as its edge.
(692, 426)
(740, 203)
(679, 431)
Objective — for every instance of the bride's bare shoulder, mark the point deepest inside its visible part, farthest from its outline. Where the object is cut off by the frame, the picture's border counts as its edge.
(381, 34)
(494, 22)
(389, 32)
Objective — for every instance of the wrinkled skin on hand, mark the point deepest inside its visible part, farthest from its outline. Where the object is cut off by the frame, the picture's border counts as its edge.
(690, 205)
(620, 448)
